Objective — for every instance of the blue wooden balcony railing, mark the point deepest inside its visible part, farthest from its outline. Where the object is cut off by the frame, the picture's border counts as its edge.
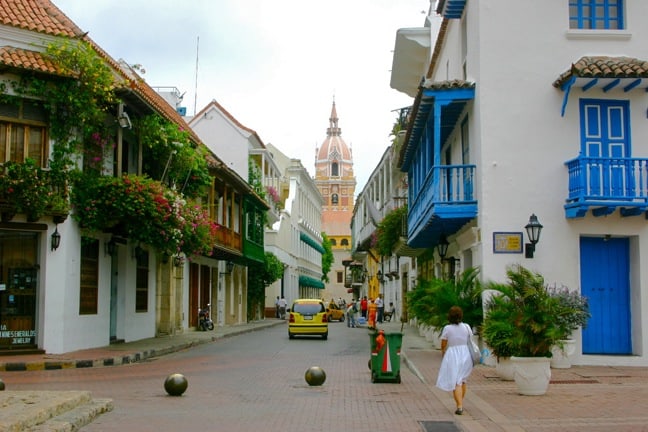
(443, 202)
(605, 184)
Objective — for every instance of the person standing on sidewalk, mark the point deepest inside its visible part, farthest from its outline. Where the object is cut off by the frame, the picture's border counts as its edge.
(372, 313)
(350, 314)
(456, 365)
(364, 304)
(380, 304)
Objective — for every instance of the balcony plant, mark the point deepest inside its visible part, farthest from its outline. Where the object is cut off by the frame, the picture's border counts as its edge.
(144, 211)
(26, 188)
(390, 230)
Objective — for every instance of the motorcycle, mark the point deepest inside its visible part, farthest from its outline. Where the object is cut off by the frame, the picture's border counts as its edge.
(204, 320)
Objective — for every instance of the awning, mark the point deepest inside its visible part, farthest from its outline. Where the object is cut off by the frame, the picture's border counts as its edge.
(311, 242)
(605, 73)
(307, 281)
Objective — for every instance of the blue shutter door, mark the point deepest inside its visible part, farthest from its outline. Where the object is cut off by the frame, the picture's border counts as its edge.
(605, 134)
(605, 281)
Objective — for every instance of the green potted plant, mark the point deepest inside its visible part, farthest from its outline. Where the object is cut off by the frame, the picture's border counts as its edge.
(521, 317)
(574, 315)
(430, 301)
(25, 188)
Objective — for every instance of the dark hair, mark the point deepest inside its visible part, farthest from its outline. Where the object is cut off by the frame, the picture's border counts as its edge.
(455, 315)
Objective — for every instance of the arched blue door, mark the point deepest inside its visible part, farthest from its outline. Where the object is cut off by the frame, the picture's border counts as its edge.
(605, 281)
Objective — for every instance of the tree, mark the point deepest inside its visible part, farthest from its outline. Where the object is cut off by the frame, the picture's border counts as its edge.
(260, 276)
(272, 270)
(327, 257)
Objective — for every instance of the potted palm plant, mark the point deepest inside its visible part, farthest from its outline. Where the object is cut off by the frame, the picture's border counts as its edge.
(521, 316)
(431, 300)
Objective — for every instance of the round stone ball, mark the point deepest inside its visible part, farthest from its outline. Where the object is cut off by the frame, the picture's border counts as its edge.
(2, 385)
(175, 384)
(315, 376)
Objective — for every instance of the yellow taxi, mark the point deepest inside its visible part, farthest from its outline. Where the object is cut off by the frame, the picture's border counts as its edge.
(308, 317)
(334, 312)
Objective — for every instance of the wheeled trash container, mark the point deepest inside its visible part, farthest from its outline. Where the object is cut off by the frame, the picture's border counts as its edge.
(385, 356)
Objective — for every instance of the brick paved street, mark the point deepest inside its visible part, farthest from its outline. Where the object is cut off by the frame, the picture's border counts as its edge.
(579, 399)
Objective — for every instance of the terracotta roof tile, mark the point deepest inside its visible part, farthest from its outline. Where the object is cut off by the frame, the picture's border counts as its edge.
(604, 67)
(25, 59)
(447, 85)
(37, 15)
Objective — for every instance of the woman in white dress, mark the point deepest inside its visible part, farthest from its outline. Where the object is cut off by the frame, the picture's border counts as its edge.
(456, 365)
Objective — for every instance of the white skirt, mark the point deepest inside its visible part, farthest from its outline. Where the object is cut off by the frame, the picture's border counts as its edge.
(455, 369)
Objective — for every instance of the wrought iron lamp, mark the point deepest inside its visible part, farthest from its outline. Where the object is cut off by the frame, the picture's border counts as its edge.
(55, 239)
(443, 246)
(533, 229)
(124, 120)
(229, 267)
(110, 247)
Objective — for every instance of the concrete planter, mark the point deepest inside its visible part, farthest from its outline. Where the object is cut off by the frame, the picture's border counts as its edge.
(561, 357)
(504, 368)
(532, 375)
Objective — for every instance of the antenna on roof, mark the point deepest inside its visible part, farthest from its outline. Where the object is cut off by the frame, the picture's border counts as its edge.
(196, 81)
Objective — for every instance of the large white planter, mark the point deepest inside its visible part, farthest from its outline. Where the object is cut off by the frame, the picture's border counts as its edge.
(504, 368)
(560, 357)
(532, 375)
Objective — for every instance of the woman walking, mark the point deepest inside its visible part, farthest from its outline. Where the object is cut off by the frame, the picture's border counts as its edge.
(456, 365)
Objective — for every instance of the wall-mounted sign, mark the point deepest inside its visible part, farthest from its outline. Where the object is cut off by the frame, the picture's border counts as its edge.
(507, 242)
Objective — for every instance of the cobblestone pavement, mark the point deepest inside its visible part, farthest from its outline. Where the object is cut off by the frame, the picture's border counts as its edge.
(582, 398)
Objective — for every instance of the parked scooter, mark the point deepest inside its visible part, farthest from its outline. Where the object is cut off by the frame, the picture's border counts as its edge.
(204, 319)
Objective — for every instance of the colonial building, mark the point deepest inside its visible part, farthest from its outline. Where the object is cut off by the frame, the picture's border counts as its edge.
(243, 151)
(534, 113)
(335, 180)
(296, 237)
(86, 263)
(389, 270)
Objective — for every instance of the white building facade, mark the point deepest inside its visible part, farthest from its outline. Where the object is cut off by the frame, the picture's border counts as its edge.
(522, 108)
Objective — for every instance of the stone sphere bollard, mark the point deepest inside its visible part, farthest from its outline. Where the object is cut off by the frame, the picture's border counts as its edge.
(315, 376)
(2, 385)
(175, 384)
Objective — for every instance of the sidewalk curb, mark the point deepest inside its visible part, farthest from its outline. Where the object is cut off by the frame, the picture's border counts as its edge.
(130, 358)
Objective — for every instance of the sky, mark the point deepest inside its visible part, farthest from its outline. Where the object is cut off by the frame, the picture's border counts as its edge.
(275, 65)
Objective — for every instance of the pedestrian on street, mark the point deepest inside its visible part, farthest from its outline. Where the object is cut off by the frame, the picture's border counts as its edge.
(372, 311)
(456, 364)
(277, 307)
(364, 304)
(351, 311)
(380, 305)
(282, 304)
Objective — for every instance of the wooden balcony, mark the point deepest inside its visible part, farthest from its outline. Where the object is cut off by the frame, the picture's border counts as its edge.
(441, 204)
(606, 184)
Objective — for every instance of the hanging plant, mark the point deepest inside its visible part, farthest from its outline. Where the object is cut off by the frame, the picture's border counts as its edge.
(390, 229)
(171, 157)
(144, 211)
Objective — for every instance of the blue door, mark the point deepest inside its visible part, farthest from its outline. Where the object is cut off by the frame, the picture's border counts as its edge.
(605, 136)
(605, 281)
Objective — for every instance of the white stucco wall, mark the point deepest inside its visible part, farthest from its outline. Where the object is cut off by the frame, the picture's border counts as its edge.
(519, 141)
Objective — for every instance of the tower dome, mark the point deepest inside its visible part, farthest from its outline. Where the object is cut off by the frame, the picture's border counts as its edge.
(334, 158)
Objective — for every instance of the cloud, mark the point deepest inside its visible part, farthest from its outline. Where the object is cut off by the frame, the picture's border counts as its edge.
(274, 65)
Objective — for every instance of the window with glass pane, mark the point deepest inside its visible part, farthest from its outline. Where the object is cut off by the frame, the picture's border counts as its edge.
(22, 132)
(596, 14)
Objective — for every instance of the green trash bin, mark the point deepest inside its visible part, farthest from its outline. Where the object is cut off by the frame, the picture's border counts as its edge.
(385, 359)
